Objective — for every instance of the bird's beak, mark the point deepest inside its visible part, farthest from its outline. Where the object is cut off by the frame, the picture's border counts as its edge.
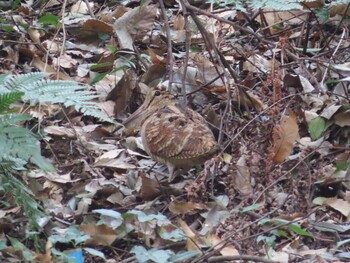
(135, 117)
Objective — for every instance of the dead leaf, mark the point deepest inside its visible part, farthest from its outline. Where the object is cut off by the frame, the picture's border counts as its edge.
(182, 208)
(342, 119)
(60, 131)
(284, 135)
(340, 205)
(150, 188)
(242, 180)
(329, 111)
(193, 240)
(81, 7)
(122, 92)
(93, 27)
(219, 244)
(134, 23)
(40, 65)
(114, 159)
(100, 235)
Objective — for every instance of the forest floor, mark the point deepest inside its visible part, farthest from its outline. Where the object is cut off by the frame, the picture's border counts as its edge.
(272, 84)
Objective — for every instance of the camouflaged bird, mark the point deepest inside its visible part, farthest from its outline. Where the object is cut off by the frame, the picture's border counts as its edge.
(176, 136)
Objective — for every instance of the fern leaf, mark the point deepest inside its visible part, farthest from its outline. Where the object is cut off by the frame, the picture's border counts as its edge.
(70, 93)
(14, 81)
(18, 142)
(6, 99)
(12, 119)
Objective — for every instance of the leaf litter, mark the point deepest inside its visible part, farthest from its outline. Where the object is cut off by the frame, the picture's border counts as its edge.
(274, 193)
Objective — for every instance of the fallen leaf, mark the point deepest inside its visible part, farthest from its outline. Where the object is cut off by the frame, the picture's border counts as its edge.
(219, 244)
(150, 188)
(182, 208)
(284, 135)
(193, 240)
(93, 27)
(100, 235)
(342, 119)
(134, 22)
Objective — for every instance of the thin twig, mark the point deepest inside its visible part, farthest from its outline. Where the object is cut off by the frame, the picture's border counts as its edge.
(169, 44)
(335, 51)
(187, 50)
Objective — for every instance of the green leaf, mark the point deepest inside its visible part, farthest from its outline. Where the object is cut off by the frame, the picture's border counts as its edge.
(68, 235)
(317, 127)
(18, 142)
(343, 242)
(18, 246)
(101, 66)
(319, 200)
(7, 28)
(110, 217)
(6, 99)
(98, 78)
(12, 119)
(297, 229)
(143, 255)
(264, 221)
(342, 166)
(142, 217)
(280, 233)
(176, 234)
(251, 207)
(3, 245)
(49, 19)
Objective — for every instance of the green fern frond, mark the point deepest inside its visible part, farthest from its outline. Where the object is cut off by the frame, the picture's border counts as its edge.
(18, 142)
(70, 93)
(11, 82)
(21, 194)
(6, 99)
(12, 119)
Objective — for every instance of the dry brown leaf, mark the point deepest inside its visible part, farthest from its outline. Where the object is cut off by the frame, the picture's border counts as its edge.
(122, 92)
(339, 10)
(100, 235)
(225, 250)
(193, 240)
(313, 4)
(242, 178)
(45, 258)
(342, 119)
(134, 23)
(340, 205)
(35, 35)
(150, 188)
(92, 27)
(41, 66)
(284, 135)
(182, 208)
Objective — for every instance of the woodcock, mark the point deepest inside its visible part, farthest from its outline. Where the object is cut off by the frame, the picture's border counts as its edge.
(176, 136)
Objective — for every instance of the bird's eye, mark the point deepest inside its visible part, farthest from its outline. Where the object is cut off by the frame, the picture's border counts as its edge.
(157, 93)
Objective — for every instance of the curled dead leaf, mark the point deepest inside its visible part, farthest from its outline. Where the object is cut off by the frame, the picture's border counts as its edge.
(284, 135)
